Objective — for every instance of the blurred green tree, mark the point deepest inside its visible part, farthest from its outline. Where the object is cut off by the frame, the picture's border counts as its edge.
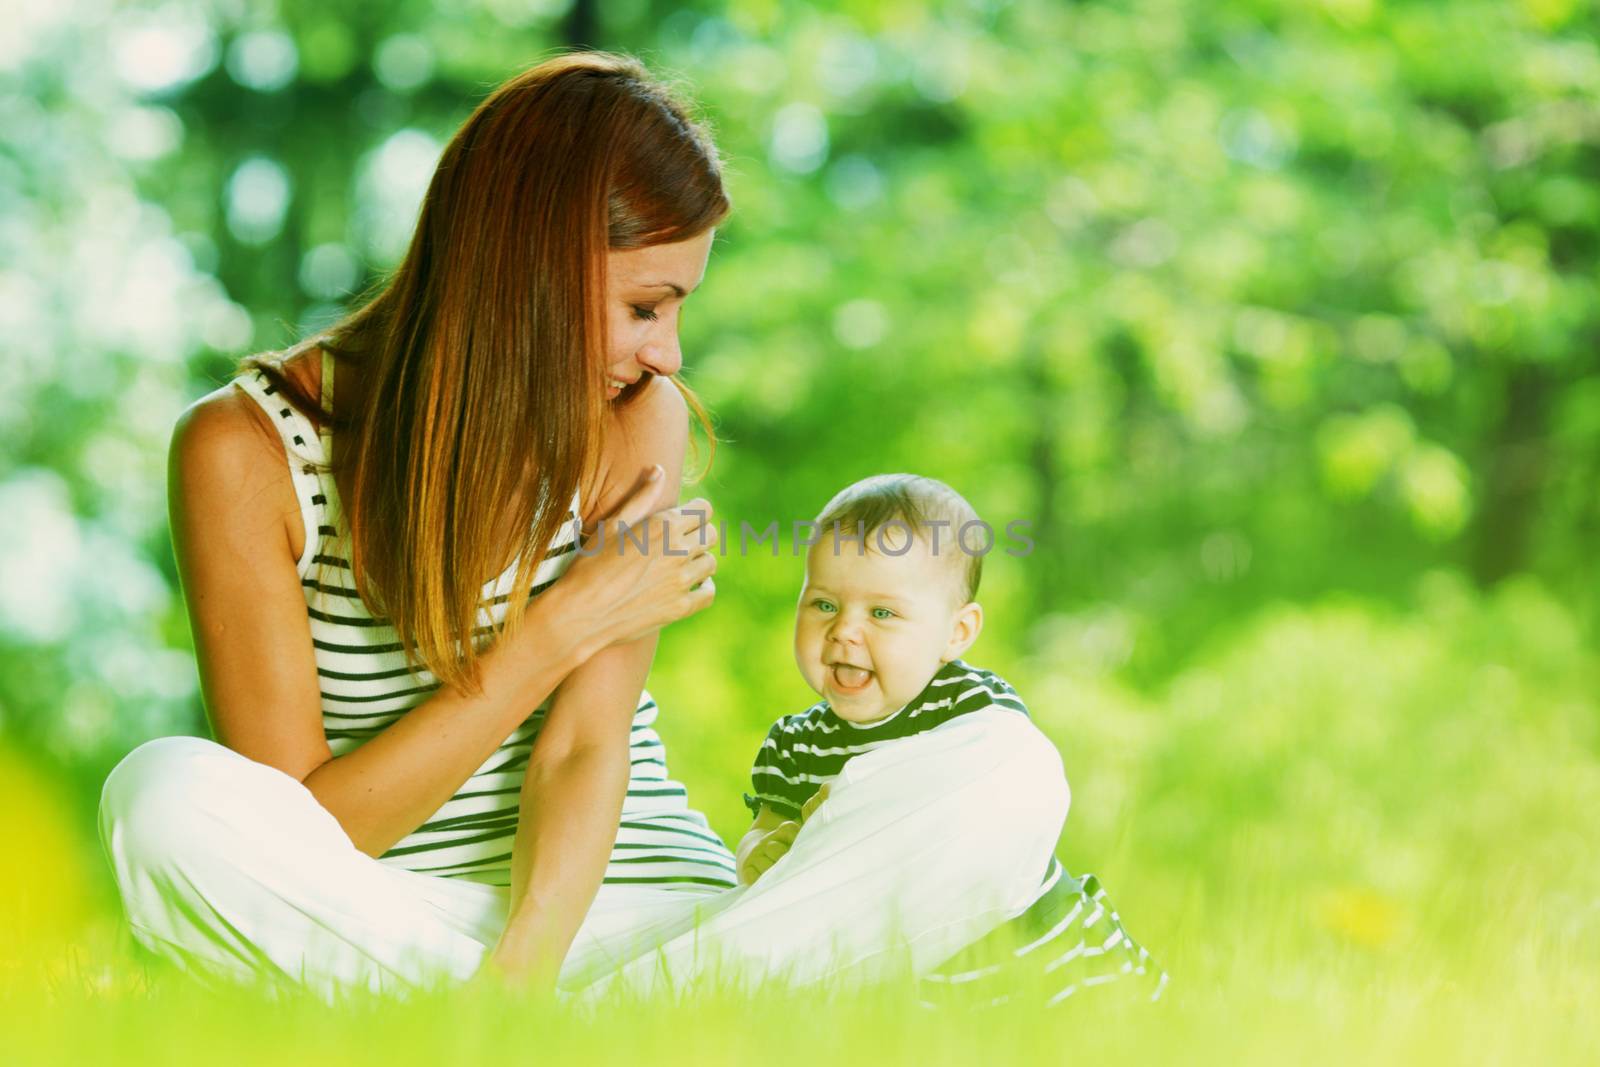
(1232, 303)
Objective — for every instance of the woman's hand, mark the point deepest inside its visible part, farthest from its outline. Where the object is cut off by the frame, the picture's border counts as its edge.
(638, 571)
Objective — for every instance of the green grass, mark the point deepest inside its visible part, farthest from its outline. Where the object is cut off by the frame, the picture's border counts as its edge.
(1350, 834)
(1244, 996)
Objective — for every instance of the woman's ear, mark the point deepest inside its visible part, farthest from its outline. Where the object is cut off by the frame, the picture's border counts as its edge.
(964, 630)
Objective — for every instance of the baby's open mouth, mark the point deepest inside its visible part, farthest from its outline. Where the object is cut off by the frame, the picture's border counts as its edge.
(850, 678)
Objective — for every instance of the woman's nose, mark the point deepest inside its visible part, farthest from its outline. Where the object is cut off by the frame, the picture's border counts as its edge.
(662, 356)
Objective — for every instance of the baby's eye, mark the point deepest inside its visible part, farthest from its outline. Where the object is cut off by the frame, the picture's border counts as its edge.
(882, 613)
(648, 314)
(822, 606)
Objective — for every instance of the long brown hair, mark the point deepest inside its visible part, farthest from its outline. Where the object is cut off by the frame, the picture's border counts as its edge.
(483, 356)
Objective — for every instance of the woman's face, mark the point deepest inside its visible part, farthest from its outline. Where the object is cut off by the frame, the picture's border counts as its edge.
(645, 288)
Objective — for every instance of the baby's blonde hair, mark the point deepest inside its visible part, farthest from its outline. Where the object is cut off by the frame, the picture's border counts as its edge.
(863, 508)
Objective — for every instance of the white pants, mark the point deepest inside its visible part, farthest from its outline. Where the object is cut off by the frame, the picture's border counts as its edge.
(230, 867)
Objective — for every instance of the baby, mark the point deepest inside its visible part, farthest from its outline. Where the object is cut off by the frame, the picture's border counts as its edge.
(886, 611)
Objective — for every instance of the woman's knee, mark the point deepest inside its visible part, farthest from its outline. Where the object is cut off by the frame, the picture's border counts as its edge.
(153, 803)
(993, 749)
(989, 772)
(969, 811)
(1034, 772)
(1013, 808)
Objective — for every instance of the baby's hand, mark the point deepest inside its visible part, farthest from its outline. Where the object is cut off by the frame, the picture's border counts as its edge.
(771, 849)
(815, 802)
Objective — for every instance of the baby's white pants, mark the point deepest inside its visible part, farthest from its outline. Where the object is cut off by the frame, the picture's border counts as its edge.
(231, 868)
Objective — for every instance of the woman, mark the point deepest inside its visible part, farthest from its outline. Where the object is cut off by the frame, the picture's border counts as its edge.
(370, 530)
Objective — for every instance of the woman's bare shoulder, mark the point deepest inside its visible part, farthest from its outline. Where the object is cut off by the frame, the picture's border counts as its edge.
(656, 421)
(224, 430)
(227, 430)
(653, 428)
(227, 462)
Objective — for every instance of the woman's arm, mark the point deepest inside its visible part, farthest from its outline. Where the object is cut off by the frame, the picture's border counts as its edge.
(578, 775)
(571, 804)
(235, 522)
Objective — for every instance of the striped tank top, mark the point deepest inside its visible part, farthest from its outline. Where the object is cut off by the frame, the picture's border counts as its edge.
(366, 685)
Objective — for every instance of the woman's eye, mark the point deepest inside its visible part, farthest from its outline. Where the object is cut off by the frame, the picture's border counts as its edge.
(642, 312)
(882, 613)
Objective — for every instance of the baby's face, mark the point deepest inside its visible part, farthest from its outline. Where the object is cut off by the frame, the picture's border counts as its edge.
(871, 629)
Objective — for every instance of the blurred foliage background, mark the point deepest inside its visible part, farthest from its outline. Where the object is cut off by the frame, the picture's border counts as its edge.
(1276, 320)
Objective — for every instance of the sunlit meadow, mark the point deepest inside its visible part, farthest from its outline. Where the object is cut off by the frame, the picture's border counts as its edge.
(1348, 834)
(1276, 321)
